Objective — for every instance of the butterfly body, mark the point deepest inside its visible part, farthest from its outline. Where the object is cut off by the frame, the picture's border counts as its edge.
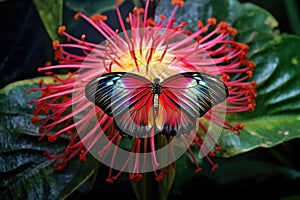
(156, 90)
(169, 107)
(156, 87)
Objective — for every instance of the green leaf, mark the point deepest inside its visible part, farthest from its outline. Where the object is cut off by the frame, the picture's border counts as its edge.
(256, 27)
(260, 132)
(25, 172)
(51, 15)
(90, 7)
(276, 118)
(293, 14)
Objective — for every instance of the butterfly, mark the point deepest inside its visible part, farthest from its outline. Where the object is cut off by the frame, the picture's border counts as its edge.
(170, 107)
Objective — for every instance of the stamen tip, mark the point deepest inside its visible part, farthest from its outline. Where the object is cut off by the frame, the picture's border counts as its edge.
(97, 17)
(77, 16)
(215, 166)
(178, 3)
(61, 30)
(110, 180)
(198, 170)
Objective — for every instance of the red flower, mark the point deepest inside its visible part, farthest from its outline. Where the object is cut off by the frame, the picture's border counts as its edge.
(148, 48)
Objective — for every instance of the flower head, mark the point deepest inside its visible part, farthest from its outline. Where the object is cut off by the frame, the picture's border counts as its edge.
(149, 48)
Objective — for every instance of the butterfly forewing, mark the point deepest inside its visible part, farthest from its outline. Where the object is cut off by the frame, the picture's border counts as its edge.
(196, 92)
(127, 98)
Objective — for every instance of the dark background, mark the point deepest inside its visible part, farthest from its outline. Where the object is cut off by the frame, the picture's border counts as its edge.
(25, 46)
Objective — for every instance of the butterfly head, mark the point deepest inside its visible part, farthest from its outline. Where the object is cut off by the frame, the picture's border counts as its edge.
(156, 80)
(156, 87)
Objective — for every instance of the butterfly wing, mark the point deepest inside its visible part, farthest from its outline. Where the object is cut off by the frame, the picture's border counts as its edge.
(185, 97)
(127, 97)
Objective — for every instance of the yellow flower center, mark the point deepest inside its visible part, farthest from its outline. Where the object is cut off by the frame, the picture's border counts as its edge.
(146, 62)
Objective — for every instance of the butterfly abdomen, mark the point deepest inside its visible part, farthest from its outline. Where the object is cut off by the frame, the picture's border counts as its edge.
(156, 90)
(155, 102)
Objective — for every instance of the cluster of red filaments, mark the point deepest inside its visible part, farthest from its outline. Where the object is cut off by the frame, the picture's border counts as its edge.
(64, 98)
